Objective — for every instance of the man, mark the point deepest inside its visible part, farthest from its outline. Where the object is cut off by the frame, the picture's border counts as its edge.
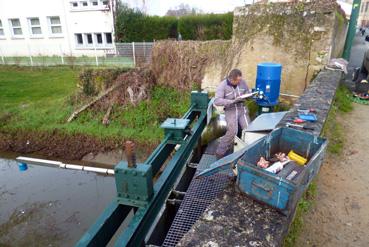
(228, 95)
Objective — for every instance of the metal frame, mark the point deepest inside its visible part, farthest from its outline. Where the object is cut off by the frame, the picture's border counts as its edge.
(109, 221)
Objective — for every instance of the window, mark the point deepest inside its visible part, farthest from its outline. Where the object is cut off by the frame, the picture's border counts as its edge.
(35, 26)
(74, 4)
(99, 39)
(84, 3)
(89, 38)
(105, 2)
(79, 38)
(55, 25)
(94, 2)
(1, 29)
(108, 38)
(93, 40)
(15, 27)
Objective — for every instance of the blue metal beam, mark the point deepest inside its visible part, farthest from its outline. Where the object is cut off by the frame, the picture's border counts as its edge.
(140, 224)
(158, 157)
(105, 226)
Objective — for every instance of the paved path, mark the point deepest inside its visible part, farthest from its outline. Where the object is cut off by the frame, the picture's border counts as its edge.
(340, 215)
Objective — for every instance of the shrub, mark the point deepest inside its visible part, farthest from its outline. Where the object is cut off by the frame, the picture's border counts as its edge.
(206, 27)
(93, 81)
(131, 25)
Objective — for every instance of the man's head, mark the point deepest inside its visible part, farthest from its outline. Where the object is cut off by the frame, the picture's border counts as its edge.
(235, 76)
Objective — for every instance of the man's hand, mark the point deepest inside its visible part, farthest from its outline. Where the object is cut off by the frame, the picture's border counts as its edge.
(239, 99)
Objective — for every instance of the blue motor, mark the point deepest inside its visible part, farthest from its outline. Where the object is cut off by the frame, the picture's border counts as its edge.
(268, 82)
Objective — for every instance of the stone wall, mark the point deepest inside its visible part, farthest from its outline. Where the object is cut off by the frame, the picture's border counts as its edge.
(303, 37)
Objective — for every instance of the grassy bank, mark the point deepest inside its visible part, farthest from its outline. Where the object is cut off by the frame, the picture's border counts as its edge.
(38, 100)
(333, 131)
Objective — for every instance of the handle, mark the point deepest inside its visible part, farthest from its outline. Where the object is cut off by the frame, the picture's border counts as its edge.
(261, 191)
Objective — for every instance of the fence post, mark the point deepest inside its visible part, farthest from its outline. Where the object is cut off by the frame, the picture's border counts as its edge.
(96, 58)
(144, 45)
(2, 56)
(30, 55)
(134, 54)
(61, 54)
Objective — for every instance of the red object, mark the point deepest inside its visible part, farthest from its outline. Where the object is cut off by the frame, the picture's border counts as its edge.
(298, 120)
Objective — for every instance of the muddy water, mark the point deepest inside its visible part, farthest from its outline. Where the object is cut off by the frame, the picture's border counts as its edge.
(48, 206)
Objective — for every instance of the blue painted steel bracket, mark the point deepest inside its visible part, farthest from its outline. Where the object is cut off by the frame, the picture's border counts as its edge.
(134, 185)
(176, 129)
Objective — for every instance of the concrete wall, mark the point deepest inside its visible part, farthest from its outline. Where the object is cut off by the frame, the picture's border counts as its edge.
(89, 19)
(303, 37)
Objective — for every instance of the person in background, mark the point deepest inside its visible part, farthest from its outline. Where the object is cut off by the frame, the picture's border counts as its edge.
(228, 95)
(362, 76)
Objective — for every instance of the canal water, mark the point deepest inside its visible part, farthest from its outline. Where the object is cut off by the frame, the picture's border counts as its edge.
(48, 206)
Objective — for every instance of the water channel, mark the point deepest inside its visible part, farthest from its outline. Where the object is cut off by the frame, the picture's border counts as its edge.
(48, 206)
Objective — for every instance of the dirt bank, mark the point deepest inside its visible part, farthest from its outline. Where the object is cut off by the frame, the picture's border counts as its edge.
(340, 215)
(65, 146)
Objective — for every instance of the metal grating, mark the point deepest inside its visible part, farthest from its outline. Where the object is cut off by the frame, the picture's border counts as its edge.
(199, 195)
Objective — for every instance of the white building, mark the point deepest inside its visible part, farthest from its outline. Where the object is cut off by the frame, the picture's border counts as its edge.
(56, 27)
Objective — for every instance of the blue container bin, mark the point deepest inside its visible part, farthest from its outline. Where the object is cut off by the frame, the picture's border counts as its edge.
(268, 80)
(273, 189)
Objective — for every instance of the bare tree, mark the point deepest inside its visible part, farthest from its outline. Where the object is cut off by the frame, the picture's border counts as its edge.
(182, 10)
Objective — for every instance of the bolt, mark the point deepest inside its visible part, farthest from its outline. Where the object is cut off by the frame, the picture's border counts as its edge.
(130, 154)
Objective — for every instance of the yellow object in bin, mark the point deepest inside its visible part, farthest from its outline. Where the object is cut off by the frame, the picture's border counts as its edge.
(295, 157)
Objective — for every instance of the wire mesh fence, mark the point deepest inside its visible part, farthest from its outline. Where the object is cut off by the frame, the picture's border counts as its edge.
(119, 55)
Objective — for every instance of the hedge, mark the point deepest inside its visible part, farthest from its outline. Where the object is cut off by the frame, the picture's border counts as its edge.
(206, 27)
(133, 26)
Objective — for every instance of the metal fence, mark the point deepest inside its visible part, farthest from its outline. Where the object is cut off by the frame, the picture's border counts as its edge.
(120, 55)
(140, 52)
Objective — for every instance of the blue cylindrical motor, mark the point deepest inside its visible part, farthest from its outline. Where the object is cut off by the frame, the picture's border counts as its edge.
(268, 81)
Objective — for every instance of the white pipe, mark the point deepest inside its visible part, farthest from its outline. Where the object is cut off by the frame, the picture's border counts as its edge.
(40, 162)
(98, 170)
(52, 163)
(74, 167)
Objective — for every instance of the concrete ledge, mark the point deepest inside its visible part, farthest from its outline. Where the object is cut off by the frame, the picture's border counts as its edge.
(319, 95)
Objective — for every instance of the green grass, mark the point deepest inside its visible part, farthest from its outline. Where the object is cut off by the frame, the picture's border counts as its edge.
(23, 89)
(38, 100)
(333, 130)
